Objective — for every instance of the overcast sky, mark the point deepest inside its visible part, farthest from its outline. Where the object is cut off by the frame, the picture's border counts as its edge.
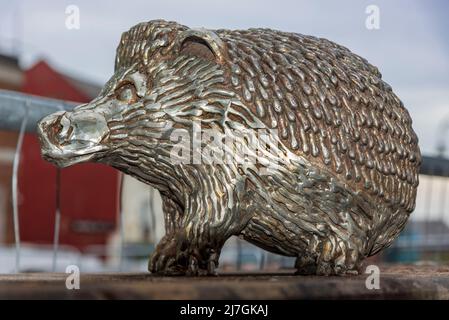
(411, 48)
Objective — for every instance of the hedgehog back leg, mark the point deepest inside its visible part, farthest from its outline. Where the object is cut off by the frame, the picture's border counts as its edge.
(332, 256)
(312, 218)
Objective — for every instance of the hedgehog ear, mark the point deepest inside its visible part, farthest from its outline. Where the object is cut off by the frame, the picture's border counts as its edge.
(202, 43)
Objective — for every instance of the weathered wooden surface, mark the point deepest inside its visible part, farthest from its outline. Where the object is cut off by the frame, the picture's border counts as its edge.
(397, 282)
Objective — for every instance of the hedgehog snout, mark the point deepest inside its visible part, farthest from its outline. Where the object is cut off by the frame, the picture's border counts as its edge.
(72, 137)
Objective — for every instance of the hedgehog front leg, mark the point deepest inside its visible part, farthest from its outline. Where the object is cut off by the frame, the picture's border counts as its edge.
(193, 239)
(164, 259)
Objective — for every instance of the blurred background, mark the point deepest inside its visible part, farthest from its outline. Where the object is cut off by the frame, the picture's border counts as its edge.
(92, 216)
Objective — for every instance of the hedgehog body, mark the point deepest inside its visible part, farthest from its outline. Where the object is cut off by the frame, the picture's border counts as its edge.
(335, 181)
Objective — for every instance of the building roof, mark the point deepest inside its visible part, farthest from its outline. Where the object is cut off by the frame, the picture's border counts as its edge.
(11, 75)
(43, 80)
(88, 87)
(8, 60)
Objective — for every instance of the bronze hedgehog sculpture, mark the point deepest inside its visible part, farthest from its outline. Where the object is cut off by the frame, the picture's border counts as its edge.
(340, 174)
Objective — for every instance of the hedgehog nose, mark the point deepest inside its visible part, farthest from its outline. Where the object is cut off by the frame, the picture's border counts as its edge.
(72, 130)
(48, 129)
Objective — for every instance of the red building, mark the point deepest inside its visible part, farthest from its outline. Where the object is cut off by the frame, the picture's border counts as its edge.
(87, 193)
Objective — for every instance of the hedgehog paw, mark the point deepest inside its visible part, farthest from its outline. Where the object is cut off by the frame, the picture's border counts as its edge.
(164, 259)
(332, 260)
(175, 257)
(200, 266)
(305, 265)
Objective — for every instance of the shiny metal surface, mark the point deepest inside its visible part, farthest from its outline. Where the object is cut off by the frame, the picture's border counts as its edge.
(15, 187)
(291, 142)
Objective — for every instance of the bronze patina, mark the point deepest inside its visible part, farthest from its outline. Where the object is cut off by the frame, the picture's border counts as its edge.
(333, 182)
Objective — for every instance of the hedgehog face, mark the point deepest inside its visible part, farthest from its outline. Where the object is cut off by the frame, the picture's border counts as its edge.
(84, 134)
(129, 124)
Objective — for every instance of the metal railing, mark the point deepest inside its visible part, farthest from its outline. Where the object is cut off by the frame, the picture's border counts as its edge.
(21, 112)
(16, 107)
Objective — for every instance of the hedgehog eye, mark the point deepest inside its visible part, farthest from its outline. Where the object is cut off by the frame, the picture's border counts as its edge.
(127, 93)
